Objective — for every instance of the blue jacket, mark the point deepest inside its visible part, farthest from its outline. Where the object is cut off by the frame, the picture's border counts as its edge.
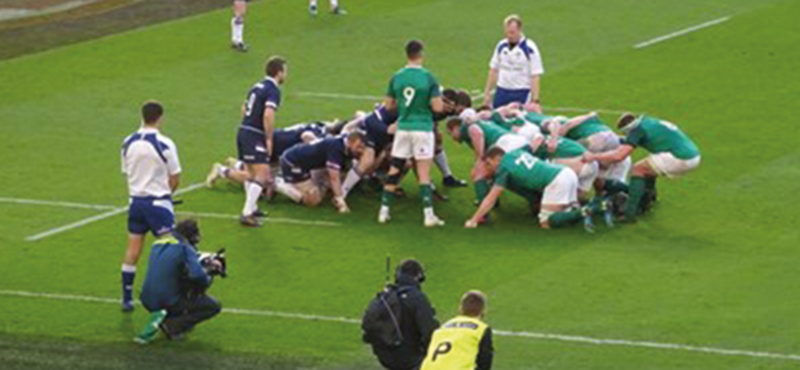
(171, 264)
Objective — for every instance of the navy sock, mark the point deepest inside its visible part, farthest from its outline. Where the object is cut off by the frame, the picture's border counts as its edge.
(128, 276)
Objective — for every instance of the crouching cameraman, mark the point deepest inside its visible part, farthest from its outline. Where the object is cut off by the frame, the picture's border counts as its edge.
(174, 290)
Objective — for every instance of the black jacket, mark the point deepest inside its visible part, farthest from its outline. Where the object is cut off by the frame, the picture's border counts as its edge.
(417, 323)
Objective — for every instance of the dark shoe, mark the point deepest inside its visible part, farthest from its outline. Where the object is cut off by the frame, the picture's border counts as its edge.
(339, 11)
(250, 221)
(259, 213)
(240, 46)
(127, 306)
(439, 196)
(452, 182)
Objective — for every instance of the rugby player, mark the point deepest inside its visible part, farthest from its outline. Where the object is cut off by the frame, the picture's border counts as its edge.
(416, 94)
(465, 342)
(524, 174)
(481, 135)
(310, 169)
(335, 8)
(672, 154)
(255, 138)
(378, 128)
(237, 25)
(283, 139)
(150, 163)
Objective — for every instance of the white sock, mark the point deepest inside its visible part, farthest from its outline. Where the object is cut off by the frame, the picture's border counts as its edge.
(313, 3)
(441, 161)
(223, 171)
(282, 187)
(384, 209)
(334, 4)
(428, 211)
(253, 191)
(239, 165)
(350, 181)
(237, 29)
(128, 268)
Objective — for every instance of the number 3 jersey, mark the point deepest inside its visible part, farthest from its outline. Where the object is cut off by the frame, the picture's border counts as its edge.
(265, 94)
(413, 88)
(463, 343)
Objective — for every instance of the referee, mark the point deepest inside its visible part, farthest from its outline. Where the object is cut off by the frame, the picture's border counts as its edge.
(515, 69)
(150, 163)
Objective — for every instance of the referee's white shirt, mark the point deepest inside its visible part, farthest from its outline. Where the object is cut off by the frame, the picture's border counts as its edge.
(516, 66)
(148, 160)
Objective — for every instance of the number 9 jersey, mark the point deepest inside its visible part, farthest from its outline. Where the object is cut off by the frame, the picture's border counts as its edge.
(413, 88)
(463, 343)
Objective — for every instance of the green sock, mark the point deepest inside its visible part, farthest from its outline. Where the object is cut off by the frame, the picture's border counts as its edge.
(613, 186)
(565, 218)
(481, 189)
(650, 183)
(426, 192)
(386, 198)
(635, 197)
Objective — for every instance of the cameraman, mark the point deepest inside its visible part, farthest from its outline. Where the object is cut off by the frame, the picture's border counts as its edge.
(417, 320)
(175, 284)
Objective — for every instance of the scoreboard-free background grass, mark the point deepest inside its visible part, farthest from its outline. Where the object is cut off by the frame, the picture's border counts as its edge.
(714, 265)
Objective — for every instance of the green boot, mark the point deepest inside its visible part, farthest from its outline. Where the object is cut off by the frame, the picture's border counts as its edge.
(150, 331)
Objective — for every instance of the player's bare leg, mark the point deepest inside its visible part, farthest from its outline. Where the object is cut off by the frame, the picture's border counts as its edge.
(237, 25)
(129, 261)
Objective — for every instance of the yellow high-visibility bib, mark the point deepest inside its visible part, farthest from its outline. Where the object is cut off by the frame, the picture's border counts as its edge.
(455, 345)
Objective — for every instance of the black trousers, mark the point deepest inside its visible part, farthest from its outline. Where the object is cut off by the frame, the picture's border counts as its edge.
(188, 312)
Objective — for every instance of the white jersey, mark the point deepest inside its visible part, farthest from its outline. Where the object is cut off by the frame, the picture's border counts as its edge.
(516, 65)
(148, 160)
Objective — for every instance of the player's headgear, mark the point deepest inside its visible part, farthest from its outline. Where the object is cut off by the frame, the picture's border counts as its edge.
(627, 122)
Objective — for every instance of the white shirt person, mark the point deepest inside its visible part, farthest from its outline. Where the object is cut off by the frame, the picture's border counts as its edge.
(515, 69)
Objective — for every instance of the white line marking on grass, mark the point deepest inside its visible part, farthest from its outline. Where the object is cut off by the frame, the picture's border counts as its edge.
(478, 95)
(504, 333)
(276, 220)
(681, 32)
(102, 216)
(339, 96)
(56, 203)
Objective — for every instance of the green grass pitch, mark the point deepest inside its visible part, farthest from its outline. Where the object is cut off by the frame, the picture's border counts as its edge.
(714, 265)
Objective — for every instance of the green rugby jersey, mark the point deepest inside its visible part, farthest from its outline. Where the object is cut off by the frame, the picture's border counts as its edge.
(491, 133)
(658, 136)
(590, 127)
(521, 172)
(413, 88)
(566, 149)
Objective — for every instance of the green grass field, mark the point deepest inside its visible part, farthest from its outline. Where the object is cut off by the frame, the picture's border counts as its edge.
(715, 265)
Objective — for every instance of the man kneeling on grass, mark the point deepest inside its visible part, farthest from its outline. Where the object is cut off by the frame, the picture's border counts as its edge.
(524, 174)
(175, 285)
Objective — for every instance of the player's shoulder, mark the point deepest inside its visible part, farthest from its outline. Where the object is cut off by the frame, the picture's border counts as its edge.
(165, 140)
(503, 43)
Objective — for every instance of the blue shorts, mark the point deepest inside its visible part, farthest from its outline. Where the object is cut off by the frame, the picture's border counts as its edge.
(252, 146)
(293, 174)
(506, 96)
(152, 214)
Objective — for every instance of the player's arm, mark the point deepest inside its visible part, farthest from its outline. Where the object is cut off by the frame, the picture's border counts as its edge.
(491, 82)
(173, 167)
(334, 166)
(269, 126)
(476, 137)
(308, 136)
(534, 98)
(537, 70)
(575, 122)
(437, 104)
(612, 156)
(486, 206)
(390, 101)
